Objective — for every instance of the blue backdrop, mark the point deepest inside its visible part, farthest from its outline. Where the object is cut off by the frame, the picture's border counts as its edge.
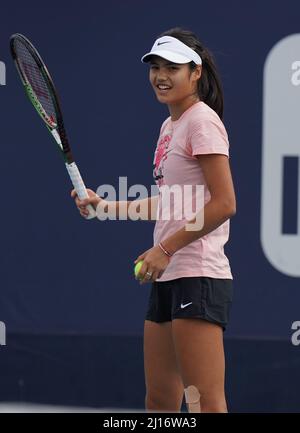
(63, 276)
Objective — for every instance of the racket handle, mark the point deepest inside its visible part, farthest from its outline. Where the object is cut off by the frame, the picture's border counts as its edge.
(80, 187)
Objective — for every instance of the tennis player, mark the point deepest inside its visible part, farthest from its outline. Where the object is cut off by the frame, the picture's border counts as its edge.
(191, 278)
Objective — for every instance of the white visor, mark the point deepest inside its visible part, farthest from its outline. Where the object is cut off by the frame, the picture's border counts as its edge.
(172, 49)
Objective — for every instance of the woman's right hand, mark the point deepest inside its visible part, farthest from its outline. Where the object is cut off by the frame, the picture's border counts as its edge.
(93, 200)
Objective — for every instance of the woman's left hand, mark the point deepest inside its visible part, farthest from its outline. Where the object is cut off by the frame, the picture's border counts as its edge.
(155, 261)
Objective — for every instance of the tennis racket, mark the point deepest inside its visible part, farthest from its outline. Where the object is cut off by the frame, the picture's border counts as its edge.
(40, 89)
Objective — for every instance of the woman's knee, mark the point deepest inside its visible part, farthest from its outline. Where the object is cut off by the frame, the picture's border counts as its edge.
(197, 401)
(214, 407)
(163, 400)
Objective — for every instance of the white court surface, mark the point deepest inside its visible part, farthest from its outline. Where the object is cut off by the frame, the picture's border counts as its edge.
(40, 408)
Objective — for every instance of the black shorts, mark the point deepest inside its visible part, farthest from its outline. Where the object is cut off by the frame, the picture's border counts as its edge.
(191, 297)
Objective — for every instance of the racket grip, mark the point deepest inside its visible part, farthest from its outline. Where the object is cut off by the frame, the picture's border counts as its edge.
(80, 187)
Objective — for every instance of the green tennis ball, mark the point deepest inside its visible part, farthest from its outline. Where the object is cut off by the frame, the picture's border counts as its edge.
(137, 268)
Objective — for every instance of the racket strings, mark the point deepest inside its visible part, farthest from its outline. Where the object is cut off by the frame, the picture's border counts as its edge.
(35, 78)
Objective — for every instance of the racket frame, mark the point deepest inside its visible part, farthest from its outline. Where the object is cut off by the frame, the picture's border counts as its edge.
(56, 129)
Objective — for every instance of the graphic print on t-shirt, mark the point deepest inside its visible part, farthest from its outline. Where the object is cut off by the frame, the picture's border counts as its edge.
(161, 154)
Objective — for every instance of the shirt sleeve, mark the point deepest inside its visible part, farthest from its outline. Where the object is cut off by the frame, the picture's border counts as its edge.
(208, 135)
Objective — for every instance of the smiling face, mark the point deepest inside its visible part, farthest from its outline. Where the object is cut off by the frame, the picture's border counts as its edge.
(174, 84)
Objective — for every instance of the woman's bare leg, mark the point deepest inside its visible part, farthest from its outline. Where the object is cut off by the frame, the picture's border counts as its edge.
(164, 387)
(200, 354)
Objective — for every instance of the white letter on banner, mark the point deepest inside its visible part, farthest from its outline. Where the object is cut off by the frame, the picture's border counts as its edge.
(2, 74)
(281, 138)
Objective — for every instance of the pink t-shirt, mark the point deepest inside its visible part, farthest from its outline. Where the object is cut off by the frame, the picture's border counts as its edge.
(199, 130)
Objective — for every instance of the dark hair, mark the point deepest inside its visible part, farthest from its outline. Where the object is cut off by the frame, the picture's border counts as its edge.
(209, 86)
